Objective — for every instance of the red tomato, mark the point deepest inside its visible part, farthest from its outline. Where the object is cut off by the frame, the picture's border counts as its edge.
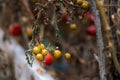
(64, 17)
(15, 29)
(90, 17)
(48, 59)
(91, 30)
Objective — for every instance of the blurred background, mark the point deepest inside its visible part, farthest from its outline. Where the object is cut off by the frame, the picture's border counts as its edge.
(65, 25)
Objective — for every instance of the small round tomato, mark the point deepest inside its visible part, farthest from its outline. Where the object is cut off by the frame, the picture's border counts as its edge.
(36, 50)
(85, 5)
(64, 17)
(44, 52)
(29, 31)
(24, 19)
(48, 59)
(41, 46)
(39, 57)
(73, 26)
(91, 30)
(79, 2)
(57, 54)
(67, 55)
(90, 17)
(15, 29)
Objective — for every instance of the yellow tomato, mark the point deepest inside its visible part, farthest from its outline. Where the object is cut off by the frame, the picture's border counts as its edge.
(39, 57)
(44, 52)
(73, 26)
(67, 55)
(36, 50)
(24, 19)
(85, 5)
(57, 53)
(29, 31)
(41, 46)
(79, 2)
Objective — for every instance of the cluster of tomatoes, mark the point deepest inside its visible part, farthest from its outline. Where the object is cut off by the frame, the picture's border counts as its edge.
(40, 51)
(84, 4)
(42, 54)
(16, 30)
(91, 30)
(64, 18)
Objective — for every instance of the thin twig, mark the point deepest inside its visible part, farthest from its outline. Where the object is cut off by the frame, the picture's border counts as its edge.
(100, 44)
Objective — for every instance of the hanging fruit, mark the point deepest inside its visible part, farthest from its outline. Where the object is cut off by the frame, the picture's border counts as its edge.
(91, 30)
(64, 14)
(79, 2)
(73, 26)
(64, 17)
(29, 31)
(90, 17)
(44, 52)
(41, 46)
(15, 29)
(85, 5)
(24, 19)
(36, 50)
(48, 59)
(57, 54)
(39, 57)
(67, 55)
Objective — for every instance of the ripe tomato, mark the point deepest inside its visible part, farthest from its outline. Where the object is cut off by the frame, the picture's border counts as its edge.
(29, 31)
(39, 57)
(36, 50)
(85, 5)
(90, 17)
(15, 29)
(91, 30)
(79, 2)
(41, 46)
(67, 55)
(64, 17)
(44, 52)
(24, 19)
(73, 26)
(48, 59)
(57, 53)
